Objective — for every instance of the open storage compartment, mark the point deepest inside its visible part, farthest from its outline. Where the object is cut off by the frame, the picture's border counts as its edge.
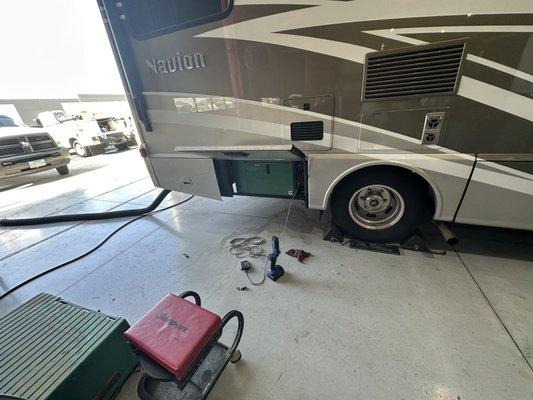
(275, 172)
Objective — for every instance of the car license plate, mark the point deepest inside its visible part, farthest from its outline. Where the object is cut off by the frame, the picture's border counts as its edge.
(37, 163)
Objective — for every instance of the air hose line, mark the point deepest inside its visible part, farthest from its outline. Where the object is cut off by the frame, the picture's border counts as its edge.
(51, 219)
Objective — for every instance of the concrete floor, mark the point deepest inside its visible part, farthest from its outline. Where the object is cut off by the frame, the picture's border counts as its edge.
(346, 324)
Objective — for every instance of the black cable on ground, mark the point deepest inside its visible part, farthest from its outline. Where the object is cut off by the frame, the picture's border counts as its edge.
(87, 216)
(252, 247)
(152, 212)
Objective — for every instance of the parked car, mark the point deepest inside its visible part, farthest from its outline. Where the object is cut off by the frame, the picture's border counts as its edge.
(25, 150)
(84, 136)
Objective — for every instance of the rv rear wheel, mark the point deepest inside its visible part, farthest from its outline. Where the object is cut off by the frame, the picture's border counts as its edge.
(379, 206)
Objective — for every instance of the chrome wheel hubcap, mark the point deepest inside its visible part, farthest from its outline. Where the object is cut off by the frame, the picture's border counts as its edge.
(376, 207)
(79, 149)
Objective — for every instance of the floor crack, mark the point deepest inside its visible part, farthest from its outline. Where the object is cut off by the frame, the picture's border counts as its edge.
(522, 353)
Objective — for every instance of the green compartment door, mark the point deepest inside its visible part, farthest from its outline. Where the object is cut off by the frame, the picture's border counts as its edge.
(264, 178)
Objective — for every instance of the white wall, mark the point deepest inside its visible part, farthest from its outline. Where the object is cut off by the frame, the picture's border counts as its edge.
(104, 108)
(54, 49)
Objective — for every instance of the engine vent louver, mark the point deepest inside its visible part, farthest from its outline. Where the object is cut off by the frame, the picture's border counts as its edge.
(310, 130)
(423, 70)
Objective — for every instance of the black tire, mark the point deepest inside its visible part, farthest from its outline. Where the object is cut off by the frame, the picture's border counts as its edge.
(413, 197)
(144, 386)
(82, 151)
(122, 146)
(63, 170)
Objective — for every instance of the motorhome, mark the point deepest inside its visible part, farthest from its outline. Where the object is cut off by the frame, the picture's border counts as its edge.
(386, 113)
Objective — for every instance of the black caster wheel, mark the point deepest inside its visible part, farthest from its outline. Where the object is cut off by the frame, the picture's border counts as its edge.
(236, 357)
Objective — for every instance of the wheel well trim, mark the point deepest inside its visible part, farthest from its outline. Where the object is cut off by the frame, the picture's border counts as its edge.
(437, 195)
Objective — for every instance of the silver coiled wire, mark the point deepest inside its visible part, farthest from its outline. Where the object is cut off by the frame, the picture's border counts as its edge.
(251, 247)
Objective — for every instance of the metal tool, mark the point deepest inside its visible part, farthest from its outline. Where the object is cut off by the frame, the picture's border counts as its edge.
(275, 270)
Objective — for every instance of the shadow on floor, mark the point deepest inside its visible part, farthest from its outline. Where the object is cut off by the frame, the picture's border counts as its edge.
(495, 242)
(41, 178)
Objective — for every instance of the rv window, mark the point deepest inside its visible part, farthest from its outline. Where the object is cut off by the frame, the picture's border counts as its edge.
(149, 18)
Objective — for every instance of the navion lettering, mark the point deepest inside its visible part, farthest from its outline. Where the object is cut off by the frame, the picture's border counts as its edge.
(179, 62)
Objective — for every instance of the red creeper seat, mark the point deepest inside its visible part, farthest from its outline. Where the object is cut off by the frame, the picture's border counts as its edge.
(174, 333)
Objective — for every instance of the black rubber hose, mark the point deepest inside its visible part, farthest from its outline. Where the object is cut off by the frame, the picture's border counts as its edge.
(87, 216)
(64, 264)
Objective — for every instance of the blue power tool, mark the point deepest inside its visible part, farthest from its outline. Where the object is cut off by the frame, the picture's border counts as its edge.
(275, 270)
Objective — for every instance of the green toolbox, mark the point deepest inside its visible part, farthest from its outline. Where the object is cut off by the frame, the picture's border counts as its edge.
(52, 349)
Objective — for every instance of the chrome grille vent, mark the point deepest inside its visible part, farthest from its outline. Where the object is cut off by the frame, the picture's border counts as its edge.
(10, 147)
(41, 142)
(422, 70)
(26, 144)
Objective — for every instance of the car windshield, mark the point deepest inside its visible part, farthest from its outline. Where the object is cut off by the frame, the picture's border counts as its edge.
(6, 121)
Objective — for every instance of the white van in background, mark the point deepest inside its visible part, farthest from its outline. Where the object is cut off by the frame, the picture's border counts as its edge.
(85, 137)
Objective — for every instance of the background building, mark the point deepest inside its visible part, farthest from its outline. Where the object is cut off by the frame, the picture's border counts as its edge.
(61, 50)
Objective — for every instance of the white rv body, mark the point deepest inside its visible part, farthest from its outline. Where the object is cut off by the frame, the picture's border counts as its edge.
(436, 94)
